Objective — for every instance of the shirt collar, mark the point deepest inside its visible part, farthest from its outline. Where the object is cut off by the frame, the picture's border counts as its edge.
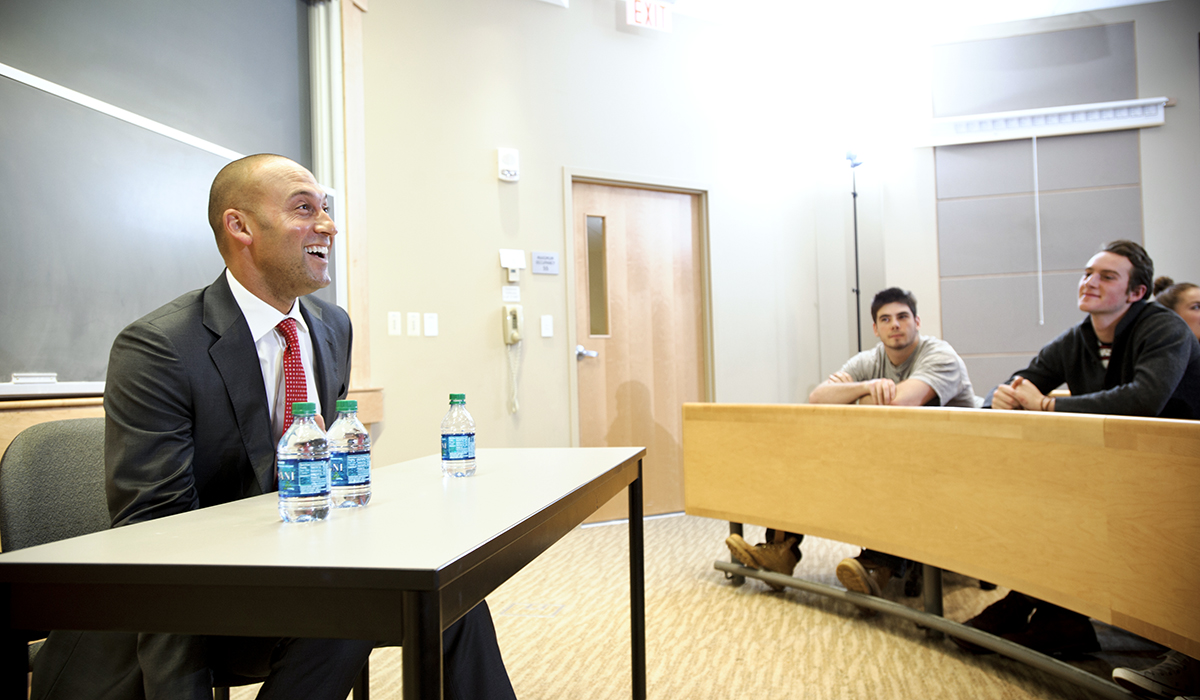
(261, 316)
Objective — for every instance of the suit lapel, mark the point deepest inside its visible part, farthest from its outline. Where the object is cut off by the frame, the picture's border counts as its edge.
(236, 359)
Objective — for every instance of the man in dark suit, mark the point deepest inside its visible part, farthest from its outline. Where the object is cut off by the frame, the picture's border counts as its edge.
(195, 403)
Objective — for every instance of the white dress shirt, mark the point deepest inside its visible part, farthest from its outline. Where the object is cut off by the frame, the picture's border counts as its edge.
(270, 343)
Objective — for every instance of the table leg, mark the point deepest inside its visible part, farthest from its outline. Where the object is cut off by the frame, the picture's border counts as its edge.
(14, 651)
(932, 590)
(362, 685)
(421, 659)
(637, 587)
(735, 529)
(14, 677)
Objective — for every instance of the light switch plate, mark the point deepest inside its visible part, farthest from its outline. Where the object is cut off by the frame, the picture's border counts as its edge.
(547, 326)
(395, 323)
(431, 325)
(414, 323)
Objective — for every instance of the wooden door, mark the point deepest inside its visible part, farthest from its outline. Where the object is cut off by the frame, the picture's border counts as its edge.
(638, 298)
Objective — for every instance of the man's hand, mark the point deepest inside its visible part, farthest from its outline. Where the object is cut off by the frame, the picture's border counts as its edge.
(841, 378)
(1021, 394)
(880, 392)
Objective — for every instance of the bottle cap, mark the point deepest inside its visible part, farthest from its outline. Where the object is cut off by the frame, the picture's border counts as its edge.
(346, 405)
(458, 398)
(304, 408)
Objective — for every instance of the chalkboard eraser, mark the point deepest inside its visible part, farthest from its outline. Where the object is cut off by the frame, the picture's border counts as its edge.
(35, 378)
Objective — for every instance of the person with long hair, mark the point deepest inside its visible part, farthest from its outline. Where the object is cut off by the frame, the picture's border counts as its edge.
(1182, 298)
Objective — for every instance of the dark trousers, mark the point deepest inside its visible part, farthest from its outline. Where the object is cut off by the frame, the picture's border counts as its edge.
(120, 666)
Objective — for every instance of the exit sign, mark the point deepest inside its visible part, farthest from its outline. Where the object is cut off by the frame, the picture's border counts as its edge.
(648, 14)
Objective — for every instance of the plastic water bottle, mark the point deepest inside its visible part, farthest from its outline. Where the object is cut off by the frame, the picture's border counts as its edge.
(302, 460)
(458, 439)
(349, 458)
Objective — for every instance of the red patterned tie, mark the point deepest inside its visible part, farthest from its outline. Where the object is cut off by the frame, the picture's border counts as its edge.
(295, 388)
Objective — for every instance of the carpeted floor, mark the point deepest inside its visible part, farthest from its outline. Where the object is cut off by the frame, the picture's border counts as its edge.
(563, 625)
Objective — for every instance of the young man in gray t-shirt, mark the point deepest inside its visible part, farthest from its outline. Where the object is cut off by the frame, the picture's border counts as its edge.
(905, 369)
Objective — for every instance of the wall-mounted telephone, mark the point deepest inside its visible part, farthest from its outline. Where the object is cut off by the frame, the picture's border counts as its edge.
(514, 324)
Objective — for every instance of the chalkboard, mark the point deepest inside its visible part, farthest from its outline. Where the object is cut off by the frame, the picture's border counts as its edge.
(105, 221)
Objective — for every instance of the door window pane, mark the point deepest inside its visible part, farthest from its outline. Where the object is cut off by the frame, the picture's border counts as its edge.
(597, 276)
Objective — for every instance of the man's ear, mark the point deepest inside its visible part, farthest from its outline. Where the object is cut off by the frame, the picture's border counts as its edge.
(875, 329)
(917, 320)
(237, 225)
(1138, 293)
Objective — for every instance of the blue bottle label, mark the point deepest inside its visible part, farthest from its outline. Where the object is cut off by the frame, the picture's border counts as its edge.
(303, 477)
(350, 468)
(458, 447)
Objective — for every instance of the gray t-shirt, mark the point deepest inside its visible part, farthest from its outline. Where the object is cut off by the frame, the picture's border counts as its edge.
(933, 362)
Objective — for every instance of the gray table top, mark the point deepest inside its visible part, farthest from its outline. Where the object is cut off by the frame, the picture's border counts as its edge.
(418, 531)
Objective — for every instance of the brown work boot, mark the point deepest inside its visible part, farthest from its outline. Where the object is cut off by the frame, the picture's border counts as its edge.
(868, 580)
(742, 551)
(768, 556)
(777, 556)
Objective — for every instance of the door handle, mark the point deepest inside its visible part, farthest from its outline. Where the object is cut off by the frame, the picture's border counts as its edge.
(581, 351)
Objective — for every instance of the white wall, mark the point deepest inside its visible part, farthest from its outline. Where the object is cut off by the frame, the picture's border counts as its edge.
(757, 108)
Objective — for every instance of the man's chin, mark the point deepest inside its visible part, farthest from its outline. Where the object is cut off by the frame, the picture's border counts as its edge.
(315, 286)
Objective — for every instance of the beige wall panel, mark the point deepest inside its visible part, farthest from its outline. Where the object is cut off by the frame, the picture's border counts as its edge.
(987, 236)
(982, 169)
(1075, 225)
(1000, 314)
(1088, 160)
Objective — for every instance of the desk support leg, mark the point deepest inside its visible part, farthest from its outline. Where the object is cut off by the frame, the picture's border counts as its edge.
(933, 594)
(14, 676)
(637, 587)
(14, 652)
(422, 654)
(734, 579)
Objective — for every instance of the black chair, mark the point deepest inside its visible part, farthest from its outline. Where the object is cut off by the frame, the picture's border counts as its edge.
(52, 488)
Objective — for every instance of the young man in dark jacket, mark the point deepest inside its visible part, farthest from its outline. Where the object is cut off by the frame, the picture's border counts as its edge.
(1128, 357)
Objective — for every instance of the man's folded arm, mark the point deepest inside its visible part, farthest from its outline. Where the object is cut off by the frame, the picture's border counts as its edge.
(913, 392)
(838, 392)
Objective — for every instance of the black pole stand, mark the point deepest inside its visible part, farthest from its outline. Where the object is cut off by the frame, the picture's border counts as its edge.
(854, 163)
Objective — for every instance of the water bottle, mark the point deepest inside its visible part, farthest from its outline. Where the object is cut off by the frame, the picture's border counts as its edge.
(349, 458)
(302, 460)
(458, 439)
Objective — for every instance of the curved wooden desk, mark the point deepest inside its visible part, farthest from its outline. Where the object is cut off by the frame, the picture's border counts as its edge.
(1098, 514)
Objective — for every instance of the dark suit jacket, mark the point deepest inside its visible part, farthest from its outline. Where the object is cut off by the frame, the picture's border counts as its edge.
(187, 419)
